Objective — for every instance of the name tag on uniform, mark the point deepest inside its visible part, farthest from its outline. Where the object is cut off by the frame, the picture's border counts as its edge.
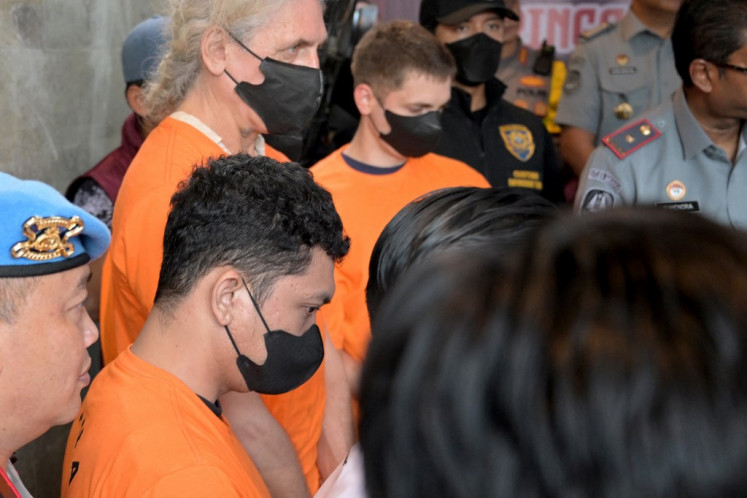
(689, 206)
(615, 71)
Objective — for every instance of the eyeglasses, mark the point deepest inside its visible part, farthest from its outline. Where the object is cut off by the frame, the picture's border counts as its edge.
(726, 65)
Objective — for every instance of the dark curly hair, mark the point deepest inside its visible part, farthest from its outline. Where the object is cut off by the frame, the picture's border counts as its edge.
(253, 213)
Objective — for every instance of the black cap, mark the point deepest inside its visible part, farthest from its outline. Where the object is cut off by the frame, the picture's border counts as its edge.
(453, 12)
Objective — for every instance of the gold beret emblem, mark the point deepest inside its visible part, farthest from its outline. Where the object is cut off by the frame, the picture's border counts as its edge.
(45, 238)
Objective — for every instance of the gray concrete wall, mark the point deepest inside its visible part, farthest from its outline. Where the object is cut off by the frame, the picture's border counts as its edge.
(61, 86)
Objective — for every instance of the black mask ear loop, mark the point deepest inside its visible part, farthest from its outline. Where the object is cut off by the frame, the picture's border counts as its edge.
(229, 74)
(245, 365)
(256, 305)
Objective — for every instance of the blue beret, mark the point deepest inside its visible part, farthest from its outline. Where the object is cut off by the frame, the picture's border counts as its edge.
(41, 232)
(143, 48)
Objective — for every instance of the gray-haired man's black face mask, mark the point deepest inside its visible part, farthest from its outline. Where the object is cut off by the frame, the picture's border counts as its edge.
(288, 97)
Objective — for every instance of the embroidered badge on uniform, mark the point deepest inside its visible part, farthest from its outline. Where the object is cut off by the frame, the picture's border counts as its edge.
(519, 141)
(676, 190)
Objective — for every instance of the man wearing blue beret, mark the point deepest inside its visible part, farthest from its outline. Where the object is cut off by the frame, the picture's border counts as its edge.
(46, 244)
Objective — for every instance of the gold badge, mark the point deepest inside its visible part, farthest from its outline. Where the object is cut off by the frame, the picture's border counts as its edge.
(519, 141)
(45, 238)
(645, 130)
(622, 60)
(624, 111)
(676, 190)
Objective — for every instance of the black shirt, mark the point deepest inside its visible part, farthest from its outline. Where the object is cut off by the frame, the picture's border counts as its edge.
(507, 144)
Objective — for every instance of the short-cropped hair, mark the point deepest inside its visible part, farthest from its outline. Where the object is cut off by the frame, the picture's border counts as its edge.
(392, 51)
(710, 30)
(253, 213)
(606, 358)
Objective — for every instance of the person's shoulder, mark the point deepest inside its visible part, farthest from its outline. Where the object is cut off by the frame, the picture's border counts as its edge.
(333, 159)
(640, 135)
(437, 165)
(510, 116)
(330, 168)
(597, 33)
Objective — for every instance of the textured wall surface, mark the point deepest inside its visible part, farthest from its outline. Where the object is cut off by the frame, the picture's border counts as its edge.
(61, 86)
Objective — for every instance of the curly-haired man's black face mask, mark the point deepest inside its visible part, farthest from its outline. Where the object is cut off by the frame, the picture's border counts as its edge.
(291, 360)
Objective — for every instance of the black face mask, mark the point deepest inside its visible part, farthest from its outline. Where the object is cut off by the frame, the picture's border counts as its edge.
(413, 136)
(288, 97)
(477, 58)
(291, 360)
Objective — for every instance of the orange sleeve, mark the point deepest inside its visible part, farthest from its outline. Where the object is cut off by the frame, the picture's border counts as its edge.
(131, 271)
(276, 154)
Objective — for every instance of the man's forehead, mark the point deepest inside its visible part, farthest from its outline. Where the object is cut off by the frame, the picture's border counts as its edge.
(423, 88)
(292, 25)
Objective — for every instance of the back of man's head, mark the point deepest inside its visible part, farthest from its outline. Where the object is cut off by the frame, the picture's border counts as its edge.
(608, 357)
(391, 51)
(253, 213)
(496, 220)
(708, 29)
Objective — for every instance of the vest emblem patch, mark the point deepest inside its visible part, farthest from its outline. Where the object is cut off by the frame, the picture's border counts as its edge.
(519, 141)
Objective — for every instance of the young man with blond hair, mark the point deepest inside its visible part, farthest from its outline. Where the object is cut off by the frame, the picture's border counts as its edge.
(402, 80)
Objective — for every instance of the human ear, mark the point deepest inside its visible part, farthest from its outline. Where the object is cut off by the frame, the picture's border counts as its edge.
(213, 50)
(364, 98)
(135, 100)
(703, 73)
(223, 297)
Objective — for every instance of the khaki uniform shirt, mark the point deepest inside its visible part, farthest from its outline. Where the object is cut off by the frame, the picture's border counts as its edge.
(667, 161)
(617, 72)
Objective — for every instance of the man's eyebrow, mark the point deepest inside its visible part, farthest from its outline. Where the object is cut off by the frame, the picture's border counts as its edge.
(306, 43)
(322, 297)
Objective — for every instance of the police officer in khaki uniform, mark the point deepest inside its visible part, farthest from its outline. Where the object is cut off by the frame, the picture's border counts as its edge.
(689, 154)
(533, 78)
(617, 72)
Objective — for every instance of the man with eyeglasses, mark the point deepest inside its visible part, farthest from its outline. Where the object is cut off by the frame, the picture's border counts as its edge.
(690, 153)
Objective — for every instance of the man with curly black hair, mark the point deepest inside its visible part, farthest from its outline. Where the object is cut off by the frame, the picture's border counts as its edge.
(248, 257)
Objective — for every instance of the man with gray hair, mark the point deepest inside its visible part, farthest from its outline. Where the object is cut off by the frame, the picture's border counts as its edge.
(233, 71)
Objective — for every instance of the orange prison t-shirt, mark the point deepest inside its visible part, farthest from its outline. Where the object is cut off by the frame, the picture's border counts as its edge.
(133, 264)
(366, 202)
(143, 432)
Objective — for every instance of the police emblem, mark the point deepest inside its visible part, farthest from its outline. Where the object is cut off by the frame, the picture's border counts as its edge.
(676, 190)
(519, 141)
(48, 238)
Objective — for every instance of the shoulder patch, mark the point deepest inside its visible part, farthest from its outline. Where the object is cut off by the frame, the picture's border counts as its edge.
(625, 141)
(596, 31)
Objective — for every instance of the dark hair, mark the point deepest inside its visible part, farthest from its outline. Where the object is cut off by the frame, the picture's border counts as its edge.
(391, 51)
(254, 213)
(607, 358)
(462, 217)
(13, 294)
(710, 30)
